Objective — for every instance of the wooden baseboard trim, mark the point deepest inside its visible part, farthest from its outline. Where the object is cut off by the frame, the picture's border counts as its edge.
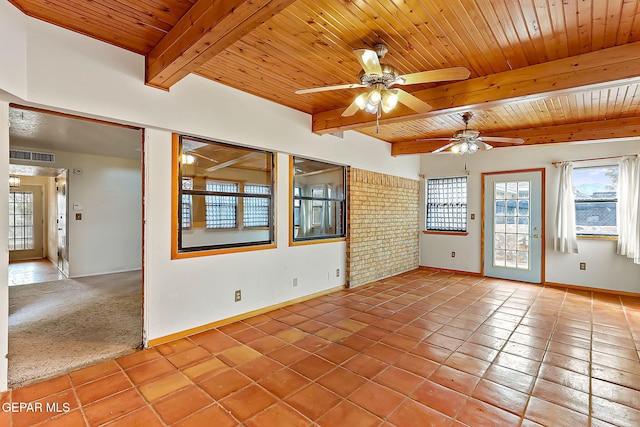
(446, 270)
(172, 337)
(590, 289)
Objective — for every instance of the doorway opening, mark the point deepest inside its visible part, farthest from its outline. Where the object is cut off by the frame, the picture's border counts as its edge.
(75, 243)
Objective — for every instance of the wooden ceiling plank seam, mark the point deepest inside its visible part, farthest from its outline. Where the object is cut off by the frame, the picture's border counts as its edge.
(168, 12)
(585, 26)
(494, 12)
(246, 47)
(598, 24)
(620, 107)
(540, 10)
(423, 23)
(634, 35)
(203, 32)
(235, 32)
(76, 22)
(537, 80)
(628, 15)
(448, 33)
(376, 21)
(529, 16)
(252, 73)
(143, 17)
(100, 9)
(488, 39)
(572, 28)
(560, 30)
(409, 63)
(415, 60)
(612, 26)
(341, 52)
(535, 54)
(464, 40)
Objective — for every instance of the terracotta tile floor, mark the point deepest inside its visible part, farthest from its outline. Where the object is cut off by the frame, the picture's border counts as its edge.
(422, 348)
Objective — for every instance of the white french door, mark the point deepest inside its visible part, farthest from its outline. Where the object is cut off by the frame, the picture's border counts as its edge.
(513, 236)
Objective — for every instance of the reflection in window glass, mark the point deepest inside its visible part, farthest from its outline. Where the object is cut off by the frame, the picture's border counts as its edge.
(318, 200)
(225, 200)
(596, 199)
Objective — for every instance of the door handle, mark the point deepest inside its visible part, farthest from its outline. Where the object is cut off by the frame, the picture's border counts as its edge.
(536, 236)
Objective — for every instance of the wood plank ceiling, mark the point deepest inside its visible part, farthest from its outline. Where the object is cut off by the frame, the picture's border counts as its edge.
(546, 71)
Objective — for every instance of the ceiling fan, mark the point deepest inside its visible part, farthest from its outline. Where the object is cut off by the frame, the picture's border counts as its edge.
(380, 78)
(468, 141)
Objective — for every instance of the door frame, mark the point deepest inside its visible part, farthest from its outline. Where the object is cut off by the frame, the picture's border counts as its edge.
(543, 215)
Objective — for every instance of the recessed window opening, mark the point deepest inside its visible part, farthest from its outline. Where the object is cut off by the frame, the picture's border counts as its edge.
(595, 192)
(226, 197)
(447, 204)
(318, 208)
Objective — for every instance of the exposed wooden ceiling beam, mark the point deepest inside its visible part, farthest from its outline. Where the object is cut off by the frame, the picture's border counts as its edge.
(604, 68)
(208, 28)
(583, 131)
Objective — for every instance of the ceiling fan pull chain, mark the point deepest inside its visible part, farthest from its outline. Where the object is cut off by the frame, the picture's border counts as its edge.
(378, 121)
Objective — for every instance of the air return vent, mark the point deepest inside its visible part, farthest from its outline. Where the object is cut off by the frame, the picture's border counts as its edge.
(34, 156)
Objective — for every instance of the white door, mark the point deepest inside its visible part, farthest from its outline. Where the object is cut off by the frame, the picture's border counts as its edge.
(513, 236)
(61, 219)
(26, 223)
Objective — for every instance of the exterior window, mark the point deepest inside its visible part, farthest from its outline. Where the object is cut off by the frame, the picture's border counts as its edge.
(447, 204)
(187, 184)
(318, 200)
(221, 211)
(20, 221)
(596, 198)
(216, 211)
(256, 209)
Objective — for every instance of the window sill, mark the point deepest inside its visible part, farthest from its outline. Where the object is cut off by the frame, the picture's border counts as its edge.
(589, 237)
(446, 233)
(211, 252)
(316, 241)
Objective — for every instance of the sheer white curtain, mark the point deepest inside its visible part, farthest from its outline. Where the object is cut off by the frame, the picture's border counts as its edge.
(564, 237)
(629, 208)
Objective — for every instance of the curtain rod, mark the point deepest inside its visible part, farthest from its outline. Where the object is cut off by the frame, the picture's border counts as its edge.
(594, 158)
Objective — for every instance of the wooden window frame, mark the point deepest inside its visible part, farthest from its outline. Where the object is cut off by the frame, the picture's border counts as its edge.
(292, 198)
(176, 180)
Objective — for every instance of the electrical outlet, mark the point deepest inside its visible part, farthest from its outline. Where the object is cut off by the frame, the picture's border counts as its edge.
(453, 254)
(583, 266)
(238, 295)
(473, 216)
(295, 282)
(337, 272)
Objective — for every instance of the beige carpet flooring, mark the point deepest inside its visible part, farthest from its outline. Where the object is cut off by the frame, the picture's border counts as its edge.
(62, 325)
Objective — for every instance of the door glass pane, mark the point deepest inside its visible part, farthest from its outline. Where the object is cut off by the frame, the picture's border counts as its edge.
(511, 224)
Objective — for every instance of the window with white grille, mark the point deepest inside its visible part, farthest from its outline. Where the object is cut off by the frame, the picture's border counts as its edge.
(447, 204)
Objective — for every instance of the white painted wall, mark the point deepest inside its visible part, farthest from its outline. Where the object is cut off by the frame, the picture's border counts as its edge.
(605, 269)
(71, 73)
(13, 51)
(108, 239)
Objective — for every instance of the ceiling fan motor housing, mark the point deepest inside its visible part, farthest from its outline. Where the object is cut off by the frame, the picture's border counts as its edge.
(389, 76)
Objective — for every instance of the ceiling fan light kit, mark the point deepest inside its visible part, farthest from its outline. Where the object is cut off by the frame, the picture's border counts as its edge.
(379, 79)
(469, 141)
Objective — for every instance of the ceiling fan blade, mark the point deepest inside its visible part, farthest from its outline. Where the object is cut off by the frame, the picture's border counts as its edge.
(446, 74)
(503, 140)
(412, 102)
(445, 147)
(325, 88)
(368, 59)
(436, 139)
(483, 145)
(351, 110)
